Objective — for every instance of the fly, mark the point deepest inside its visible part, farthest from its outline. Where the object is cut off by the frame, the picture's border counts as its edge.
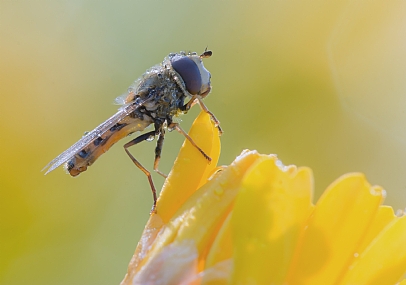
(158, 96)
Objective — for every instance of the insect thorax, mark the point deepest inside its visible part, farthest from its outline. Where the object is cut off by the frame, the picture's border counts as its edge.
(164, 98)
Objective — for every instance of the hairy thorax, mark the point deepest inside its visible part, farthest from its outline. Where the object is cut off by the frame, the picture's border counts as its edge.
(162, 96)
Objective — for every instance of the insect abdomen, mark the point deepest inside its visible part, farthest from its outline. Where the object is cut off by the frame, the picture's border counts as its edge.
(91, 152)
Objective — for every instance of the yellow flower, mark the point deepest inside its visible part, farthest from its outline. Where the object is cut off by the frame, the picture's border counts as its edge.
(253, 222)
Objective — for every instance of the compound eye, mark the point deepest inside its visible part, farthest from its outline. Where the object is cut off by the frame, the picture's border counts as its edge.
(189, 71)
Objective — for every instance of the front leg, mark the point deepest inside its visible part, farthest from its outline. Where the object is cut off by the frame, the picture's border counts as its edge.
(196, 99)
(214, 119)
(185, 108)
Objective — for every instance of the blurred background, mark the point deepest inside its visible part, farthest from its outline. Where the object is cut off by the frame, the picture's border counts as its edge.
(320, 83)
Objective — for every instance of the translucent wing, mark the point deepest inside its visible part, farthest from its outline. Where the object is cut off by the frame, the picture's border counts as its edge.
(91, 136)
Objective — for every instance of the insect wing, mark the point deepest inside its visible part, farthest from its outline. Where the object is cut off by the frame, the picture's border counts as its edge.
(91, 136)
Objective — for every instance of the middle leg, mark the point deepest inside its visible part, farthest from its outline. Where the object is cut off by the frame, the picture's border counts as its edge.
(180, 130)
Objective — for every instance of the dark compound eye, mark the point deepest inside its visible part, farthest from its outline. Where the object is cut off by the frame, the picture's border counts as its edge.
(189, 72)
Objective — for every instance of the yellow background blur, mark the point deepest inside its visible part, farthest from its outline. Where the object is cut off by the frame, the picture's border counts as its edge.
(320, 83)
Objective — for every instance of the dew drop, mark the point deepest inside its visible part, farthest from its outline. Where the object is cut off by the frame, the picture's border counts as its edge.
(223, 182)
(219, 191)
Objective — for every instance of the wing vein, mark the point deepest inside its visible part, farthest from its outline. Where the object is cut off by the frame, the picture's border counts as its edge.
(91, 136)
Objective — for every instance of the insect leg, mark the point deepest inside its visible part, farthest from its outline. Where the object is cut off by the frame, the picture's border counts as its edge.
(216, 122)
(158, 150)
(189, 104)
(139, 165)
(180, 130)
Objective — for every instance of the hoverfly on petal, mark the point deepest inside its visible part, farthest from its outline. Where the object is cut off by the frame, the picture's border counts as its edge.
(163, 92)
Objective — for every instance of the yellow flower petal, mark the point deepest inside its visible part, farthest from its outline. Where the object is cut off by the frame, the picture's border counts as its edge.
(191, 164)
(253, 222)
(190, 168)
(182, 254)
(208, 207)
(199, 218)
(384, 216)
(334, 230)
(222, 247)
(270, 210)
(384, 261)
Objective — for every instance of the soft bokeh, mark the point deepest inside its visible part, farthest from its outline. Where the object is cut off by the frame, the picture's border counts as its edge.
(320, 83)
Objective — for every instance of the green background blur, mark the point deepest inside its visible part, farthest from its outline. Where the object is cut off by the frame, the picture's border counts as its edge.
(320, 83)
